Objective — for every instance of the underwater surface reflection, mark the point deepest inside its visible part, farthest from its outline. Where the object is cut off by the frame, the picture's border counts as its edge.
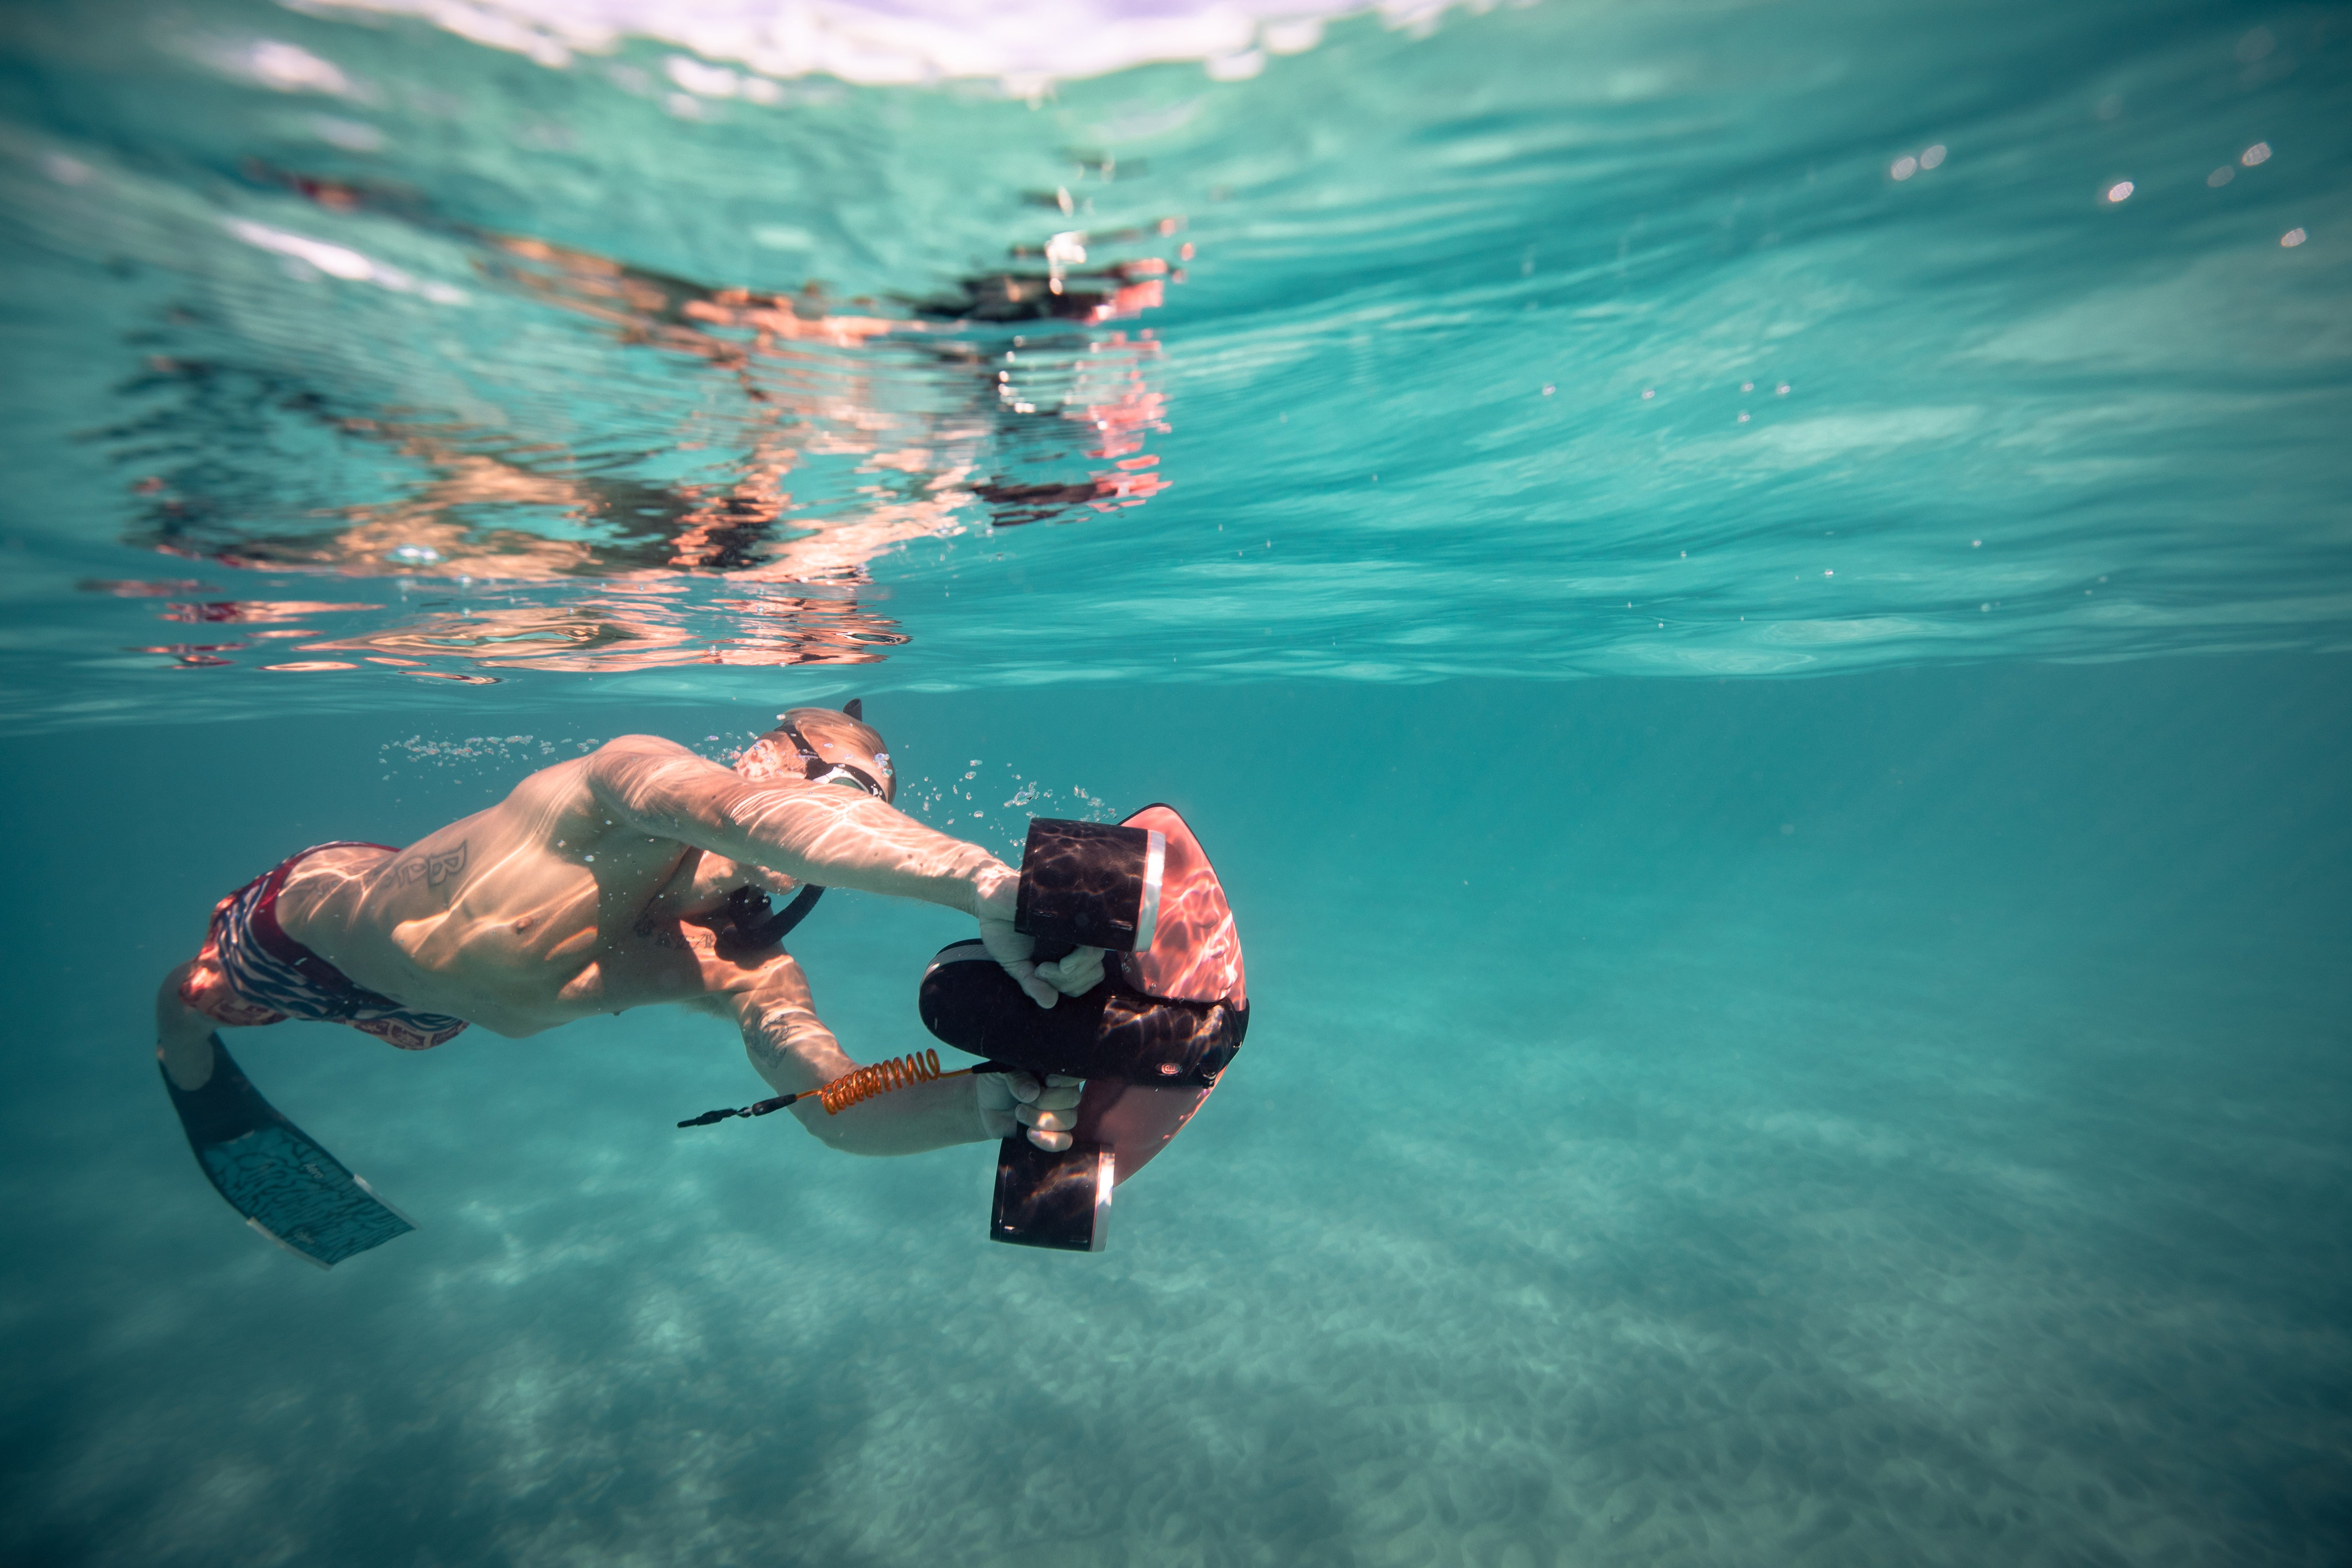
(1548, 340)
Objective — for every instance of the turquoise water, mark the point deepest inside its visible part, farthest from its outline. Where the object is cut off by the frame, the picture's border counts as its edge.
(1797, 938)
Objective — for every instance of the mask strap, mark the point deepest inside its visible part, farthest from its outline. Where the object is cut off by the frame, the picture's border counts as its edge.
(816, 770)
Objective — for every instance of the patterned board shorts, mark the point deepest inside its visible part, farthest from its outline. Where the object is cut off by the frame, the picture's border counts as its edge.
(251, 972)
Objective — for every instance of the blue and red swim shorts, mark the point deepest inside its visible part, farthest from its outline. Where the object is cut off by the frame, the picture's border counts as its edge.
(251, 972)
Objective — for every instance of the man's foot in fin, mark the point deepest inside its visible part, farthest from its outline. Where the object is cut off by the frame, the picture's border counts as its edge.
(184, 1037)
(188, 1066)
(274, 1174)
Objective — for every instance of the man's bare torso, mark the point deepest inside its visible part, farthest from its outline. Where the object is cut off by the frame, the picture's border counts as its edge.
(568, 899)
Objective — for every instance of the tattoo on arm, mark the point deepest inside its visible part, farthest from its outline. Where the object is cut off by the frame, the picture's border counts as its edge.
(433, 868)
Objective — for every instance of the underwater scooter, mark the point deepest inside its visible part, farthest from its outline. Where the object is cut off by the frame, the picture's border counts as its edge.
(1150, 1041)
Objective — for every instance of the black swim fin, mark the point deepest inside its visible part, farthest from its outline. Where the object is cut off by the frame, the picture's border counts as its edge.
(286, 1186)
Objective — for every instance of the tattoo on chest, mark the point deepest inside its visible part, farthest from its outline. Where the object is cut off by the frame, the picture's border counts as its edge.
(433, 868)
(677, 936)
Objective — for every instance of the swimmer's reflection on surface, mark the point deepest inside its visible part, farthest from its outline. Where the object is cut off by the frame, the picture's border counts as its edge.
(806, 390)
(610, 635)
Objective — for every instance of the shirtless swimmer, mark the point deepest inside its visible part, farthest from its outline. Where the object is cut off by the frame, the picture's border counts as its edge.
(616, 880)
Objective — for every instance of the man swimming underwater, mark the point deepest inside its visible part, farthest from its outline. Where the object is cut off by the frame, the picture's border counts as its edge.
(636, 875)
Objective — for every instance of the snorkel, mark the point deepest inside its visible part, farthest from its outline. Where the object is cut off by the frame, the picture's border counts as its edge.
(749, 925)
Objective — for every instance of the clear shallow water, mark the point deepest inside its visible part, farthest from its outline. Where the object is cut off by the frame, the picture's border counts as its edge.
(1954, 1178)
(1693, 1115)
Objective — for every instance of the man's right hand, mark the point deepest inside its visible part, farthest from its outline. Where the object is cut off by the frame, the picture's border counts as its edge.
(1075, 974)
(1011, 949)
(994, 903)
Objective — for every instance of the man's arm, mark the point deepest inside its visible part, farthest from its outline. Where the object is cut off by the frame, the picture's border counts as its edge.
(823, 834)
(790, 1048)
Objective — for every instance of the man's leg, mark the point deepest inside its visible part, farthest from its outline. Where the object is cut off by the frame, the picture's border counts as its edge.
(184, 1037)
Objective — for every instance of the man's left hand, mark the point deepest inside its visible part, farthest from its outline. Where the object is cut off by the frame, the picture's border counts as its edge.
(1018, 1101)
